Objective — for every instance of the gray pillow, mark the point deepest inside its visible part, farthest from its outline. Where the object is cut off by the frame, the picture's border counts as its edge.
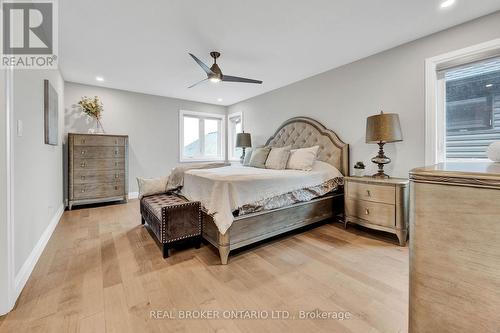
(278, 157)
(259, 157)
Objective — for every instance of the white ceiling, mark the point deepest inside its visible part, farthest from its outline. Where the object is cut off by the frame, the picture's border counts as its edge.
(143, 46)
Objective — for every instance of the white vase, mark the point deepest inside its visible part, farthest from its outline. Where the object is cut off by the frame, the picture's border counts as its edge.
(97, 129)
(493, 151)
(359, 172)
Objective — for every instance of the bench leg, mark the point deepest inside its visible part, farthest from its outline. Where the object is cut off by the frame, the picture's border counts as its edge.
(142, 220)
(165, 251)
(197, 243)
(224, 254)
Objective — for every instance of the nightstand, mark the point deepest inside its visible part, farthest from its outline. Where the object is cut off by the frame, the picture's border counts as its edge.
(380, 204)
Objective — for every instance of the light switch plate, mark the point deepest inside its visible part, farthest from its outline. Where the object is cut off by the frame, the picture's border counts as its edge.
(19, 128)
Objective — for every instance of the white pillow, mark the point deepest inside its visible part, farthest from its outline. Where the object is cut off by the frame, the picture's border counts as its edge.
(302, 159)
(151, 186)
(332, 171)
(278, 157)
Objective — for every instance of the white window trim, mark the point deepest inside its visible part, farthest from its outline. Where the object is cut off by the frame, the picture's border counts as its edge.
(230, 135)
(202, 115)
(434, 105)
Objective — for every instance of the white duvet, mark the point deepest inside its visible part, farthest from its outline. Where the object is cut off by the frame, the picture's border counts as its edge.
(223, 190)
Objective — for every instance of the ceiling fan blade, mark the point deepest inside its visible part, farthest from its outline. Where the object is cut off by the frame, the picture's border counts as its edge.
(197, 83)
(229, 78)
(202, 65)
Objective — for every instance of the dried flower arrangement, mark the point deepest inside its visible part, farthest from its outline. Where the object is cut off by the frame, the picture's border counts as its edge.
(92, 107)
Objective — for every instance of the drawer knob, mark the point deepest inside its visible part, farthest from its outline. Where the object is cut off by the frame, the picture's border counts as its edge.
(368, 193)
(116, 163)
(117, 175)
(116, 187)
(83, 164)
(83, 141)
(83, 152)
(83, 190)
(116, 152)
(367, 211)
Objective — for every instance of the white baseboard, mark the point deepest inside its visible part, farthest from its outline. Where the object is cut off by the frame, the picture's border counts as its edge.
(28, 266)
(133, 195)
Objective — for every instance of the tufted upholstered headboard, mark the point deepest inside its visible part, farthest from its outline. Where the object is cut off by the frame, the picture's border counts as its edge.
(303, 132)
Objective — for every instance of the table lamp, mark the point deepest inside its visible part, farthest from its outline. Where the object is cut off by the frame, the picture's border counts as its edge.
(243, 140)
(381, 129)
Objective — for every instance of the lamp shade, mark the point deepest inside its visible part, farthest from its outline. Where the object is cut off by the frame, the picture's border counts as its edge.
(243, 140)
(383, 127)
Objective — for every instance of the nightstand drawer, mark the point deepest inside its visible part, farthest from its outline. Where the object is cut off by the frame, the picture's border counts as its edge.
(377, 213)
(371, 192)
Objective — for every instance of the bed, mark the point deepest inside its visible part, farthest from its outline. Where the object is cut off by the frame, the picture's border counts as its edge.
(244, 205)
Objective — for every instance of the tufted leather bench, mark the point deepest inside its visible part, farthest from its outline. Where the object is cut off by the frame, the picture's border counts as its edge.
(171, 219)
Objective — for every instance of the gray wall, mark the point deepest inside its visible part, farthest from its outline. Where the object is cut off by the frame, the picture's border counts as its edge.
(38, 187)
(151, 122)
(342, 98)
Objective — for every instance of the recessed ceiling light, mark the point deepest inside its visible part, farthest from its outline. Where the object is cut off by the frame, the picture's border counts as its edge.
(219, 99)
(489, 85)
(99, 78)
(447, 3)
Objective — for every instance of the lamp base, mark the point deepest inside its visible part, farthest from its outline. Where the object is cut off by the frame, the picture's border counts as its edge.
(381, 160)
(242, 157)
(381, 175)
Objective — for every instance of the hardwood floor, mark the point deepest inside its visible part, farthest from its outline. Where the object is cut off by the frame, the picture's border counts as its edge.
(102, 272)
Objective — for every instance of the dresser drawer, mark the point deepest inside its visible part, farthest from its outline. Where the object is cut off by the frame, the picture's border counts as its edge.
(102, 190)
(99, 152)
(99, 164)
(102, 176)
(374, 212)
(98, 140)
(371, 192)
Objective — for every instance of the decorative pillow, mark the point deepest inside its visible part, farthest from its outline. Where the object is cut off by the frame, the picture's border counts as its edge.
(278, 157)
(259, 157)
(151, 186)
(302, 159)
(248, 155)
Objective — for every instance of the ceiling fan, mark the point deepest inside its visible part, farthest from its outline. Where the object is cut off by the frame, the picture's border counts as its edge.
(214, 74)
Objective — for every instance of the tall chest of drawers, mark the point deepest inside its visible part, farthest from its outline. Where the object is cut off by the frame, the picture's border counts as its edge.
(97, 168)
(455, 248)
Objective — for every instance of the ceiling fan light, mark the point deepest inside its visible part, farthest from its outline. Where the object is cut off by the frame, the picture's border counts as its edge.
(447, 3)
(214, 79)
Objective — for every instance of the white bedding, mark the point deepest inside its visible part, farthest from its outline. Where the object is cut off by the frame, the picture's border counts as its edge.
(223, 190)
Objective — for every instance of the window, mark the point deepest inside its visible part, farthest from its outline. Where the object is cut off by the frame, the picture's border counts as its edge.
(201, 136)
(462, 111)
(235, 126)
(472, 109)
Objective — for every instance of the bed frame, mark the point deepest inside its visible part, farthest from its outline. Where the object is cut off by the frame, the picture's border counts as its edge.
(299, 132)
